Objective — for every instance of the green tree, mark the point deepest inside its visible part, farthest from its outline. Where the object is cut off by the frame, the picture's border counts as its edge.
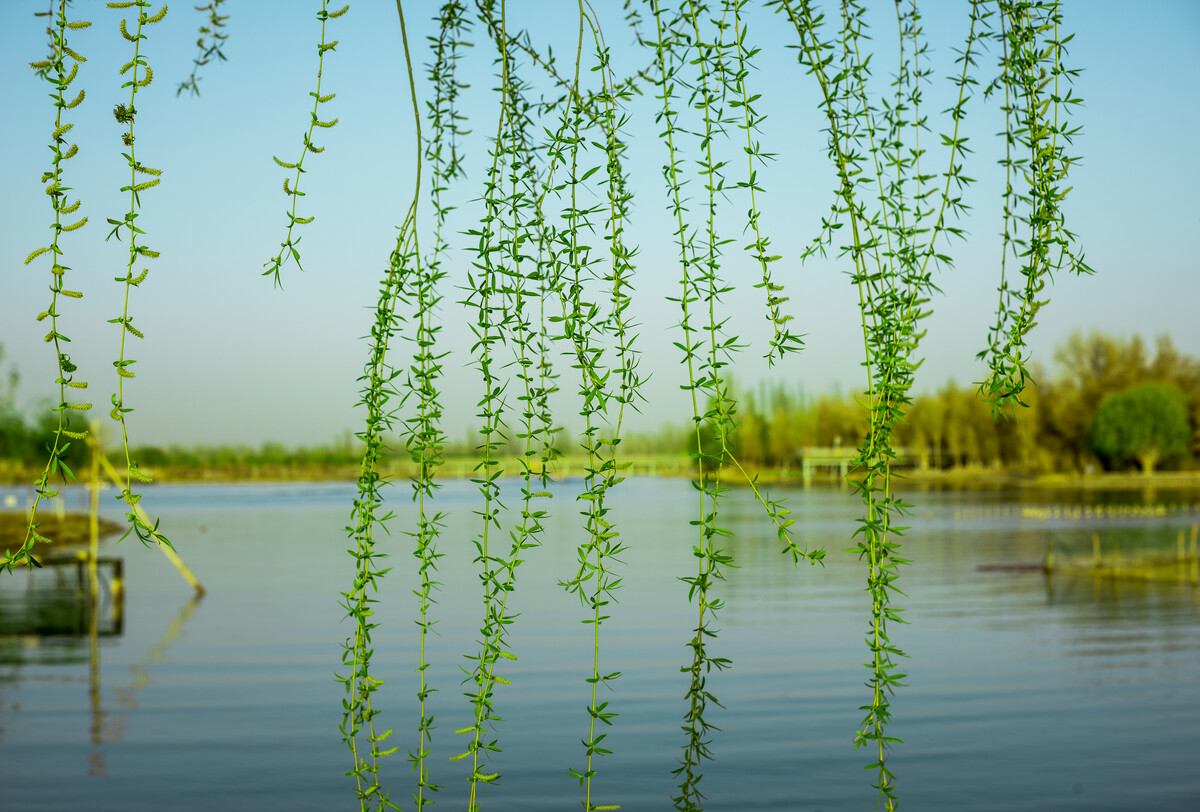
(1090, 367)
(12, 425)
(840, 421)
(925, 429)
(961, 410)
(1019, 436)
(1147, 423)
(1174, 367)
(791, 427)
(750, 437)
(1094, 365)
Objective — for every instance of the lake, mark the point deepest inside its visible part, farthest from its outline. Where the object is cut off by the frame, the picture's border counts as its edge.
(1024, 692)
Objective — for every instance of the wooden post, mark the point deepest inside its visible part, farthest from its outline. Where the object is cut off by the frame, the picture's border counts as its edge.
(93, 443)
(171, 555)
(1195, 559)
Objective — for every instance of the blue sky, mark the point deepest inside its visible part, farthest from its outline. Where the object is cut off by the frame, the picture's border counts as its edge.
(228, 358)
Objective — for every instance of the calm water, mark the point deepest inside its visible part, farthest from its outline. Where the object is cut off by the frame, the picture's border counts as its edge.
(1024, 693)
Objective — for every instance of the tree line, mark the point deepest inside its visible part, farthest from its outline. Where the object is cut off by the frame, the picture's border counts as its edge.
(1111, 404)
(23, 440)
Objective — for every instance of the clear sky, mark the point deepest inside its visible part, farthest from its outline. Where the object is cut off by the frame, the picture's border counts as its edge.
(227, 358)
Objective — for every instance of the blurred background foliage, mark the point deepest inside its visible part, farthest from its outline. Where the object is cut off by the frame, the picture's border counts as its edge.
(1092, 411)
(1062, 430)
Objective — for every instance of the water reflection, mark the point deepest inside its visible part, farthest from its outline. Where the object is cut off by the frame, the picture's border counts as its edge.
(155, 653)
(58, 615)
(47, 614)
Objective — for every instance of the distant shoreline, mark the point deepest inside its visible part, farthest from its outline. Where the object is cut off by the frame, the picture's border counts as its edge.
(967, 478)
(680, 466)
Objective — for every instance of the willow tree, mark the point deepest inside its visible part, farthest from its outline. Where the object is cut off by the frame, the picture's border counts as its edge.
(553, 275)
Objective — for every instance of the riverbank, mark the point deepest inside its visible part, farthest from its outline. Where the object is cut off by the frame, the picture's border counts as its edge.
(976, 478)
(969, 479)
(69, 529)
(979, 479)
(395, 469)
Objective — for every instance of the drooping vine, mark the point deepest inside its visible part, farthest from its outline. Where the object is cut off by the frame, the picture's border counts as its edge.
(783, 340)
(680, 43)
(595, 581)
(379, 391)
(208, 45)
(540, 286)
(54, 70)
(1038, 131)
(492, 320)
(424, 433)
(289, 248)
(141, 179)
(894, 248)
(367, 519)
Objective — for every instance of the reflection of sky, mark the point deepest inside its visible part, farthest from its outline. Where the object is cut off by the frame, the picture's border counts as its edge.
(228, 359)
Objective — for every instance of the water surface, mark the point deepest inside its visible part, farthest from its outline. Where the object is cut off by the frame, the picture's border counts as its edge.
(1023, 692)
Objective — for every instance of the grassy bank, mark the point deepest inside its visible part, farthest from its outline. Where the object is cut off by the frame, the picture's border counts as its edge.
(1115, 481)
(980, 478)
(70, 529)
(397, 469)
(670, 465)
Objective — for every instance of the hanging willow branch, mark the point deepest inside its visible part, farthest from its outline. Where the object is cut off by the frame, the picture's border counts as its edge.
(1038, 131)
(899, 216)
(552, 278)
(497, 295)
(290, 247)
(208, 45)
(359, 709)
(141, 179)
(54, 70)
(424, 435)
